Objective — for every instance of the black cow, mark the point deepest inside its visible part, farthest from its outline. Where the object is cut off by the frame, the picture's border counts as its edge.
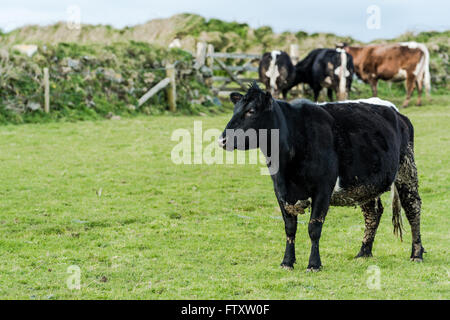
(339, 154)
(321, 68)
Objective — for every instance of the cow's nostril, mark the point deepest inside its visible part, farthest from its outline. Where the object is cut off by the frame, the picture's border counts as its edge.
(222, 141)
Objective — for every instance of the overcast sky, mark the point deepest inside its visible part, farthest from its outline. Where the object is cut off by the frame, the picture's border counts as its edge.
(343, 17)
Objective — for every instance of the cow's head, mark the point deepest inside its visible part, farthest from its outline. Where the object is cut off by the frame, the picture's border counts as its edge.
(252, 112)
(342, 45)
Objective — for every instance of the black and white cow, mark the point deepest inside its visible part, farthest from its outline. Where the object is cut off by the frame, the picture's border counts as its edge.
(340, 154)
(327, 68)
(277, 72)
(321, 68)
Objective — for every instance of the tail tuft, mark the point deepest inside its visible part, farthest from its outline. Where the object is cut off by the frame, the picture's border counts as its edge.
(426, 69)
(396, 213)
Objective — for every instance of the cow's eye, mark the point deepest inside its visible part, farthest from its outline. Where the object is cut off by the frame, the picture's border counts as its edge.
(250, 112)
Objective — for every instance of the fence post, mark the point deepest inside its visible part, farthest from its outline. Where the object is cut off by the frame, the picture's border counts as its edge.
(342, 95)
(201, 55)
(295, 57)
(294, 53)
(46, 91)
(209, 58)
(171, 91)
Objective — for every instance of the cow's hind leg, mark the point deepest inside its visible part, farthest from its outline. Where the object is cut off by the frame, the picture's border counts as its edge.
(410, 82)
(372, 211)
(419, 92)
(408, 189)
(374, 86)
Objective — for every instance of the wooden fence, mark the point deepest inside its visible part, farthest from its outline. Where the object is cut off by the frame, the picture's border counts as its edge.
(235, 73)
(242, 70)
(171, 91)
(169, 82)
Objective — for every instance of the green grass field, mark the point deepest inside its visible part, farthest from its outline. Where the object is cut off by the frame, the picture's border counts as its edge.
(106, 197)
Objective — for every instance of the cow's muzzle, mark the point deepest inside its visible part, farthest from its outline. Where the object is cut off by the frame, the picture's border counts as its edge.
(222, 141)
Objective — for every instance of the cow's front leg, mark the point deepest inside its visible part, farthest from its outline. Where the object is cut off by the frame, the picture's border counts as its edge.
(374, 85)
(320, 204)
(290, 226)
(330, 94)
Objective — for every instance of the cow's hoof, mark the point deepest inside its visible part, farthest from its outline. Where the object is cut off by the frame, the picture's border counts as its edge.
(286, 266)
(365, 251)
(364, 254)
(313, 269)
(417, 253)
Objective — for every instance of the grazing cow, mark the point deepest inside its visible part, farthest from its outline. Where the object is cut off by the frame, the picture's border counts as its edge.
(396, 62)
(322, 68)
(340, 154)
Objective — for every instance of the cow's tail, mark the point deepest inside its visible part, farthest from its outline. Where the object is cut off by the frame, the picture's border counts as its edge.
(426, 68)
(396, 213)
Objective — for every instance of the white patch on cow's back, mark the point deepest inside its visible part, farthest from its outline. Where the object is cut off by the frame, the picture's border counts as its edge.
(410, 44)
(374, 100)
(378, 101)
(273, 73)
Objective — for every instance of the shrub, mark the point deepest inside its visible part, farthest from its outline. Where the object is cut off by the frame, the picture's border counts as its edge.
(92, 81)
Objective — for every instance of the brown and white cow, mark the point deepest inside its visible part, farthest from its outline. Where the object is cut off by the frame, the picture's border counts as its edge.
(395, 62)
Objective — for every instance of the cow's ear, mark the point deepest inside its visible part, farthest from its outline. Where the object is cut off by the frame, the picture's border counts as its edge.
(268, 99)
(235, 97)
